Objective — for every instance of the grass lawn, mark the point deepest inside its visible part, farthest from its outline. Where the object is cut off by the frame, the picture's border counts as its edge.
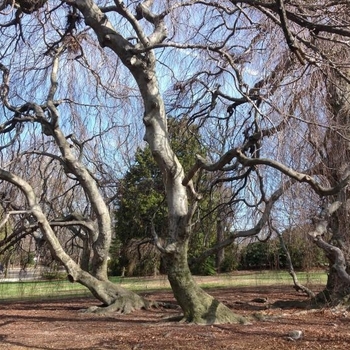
(63, 288)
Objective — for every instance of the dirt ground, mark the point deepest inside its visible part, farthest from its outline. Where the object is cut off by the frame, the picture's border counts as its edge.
(60, 324)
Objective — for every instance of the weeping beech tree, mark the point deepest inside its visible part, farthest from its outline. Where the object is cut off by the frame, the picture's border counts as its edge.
(97, 226)
(332, 224)
(254, 76)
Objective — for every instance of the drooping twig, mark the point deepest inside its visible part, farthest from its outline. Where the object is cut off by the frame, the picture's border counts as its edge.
(297, 285)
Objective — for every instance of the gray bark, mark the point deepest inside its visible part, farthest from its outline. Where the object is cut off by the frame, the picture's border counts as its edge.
(333, 222)
(100, 236)
(104, 290)
(338, 282)
(197, 305)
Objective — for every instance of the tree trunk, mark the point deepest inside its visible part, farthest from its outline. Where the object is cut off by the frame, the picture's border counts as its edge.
(112, 296)
(337, 159)
(198, 306)
(337, 290)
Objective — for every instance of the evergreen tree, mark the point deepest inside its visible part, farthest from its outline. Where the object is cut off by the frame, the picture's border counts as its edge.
(141, 203)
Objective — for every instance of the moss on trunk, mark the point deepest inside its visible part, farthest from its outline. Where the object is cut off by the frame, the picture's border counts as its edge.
(198, 306)
(112, 296)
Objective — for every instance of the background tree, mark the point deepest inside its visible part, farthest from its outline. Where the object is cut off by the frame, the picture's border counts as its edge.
(270, 254)
(141, 204)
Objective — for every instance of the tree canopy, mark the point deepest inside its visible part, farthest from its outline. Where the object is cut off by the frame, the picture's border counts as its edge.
(264, 82)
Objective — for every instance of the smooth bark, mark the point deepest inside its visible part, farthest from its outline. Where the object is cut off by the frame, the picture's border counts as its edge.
(197, 305)
(108, 293)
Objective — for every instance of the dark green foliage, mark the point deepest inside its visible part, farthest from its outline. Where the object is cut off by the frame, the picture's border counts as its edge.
(197, 245)
(115, 264)
(115, 267)
(141, 203)
(205, 268)
(232, 259)
(141, 200)
(261, 255)
(270, 255)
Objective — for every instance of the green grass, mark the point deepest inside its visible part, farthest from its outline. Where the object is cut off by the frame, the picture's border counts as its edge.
(36, 289)
(62, 288)
(263, 278)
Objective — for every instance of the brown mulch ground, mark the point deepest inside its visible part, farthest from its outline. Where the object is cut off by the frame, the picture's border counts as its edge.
(58, 324)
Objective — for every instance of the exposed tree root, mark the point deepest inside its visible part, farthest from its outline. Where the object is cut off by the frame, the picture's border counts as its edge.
(335, 300)
(218, 314)
(125, 305)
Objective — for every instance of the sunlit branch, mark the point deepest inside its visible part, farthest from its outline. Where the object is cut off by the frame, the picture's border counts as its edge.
(123, 10)
(70, 221)
(300, 177)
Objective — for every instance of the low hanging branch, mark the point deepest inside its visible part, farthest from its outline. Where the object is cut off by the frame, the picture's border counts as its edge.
(237, 153)
(297, 285)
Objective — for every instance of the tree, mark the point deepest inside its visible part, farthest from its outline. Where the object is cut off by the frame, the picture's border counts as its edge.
(142, 182)
(139, 208)
(332, 228)
(246, 71)
(135, 219)
(275, 252)
(36, 147)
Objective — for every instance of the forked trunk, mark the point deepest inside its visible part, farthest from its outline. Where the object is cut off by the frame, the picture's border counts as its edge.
(198, 306)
